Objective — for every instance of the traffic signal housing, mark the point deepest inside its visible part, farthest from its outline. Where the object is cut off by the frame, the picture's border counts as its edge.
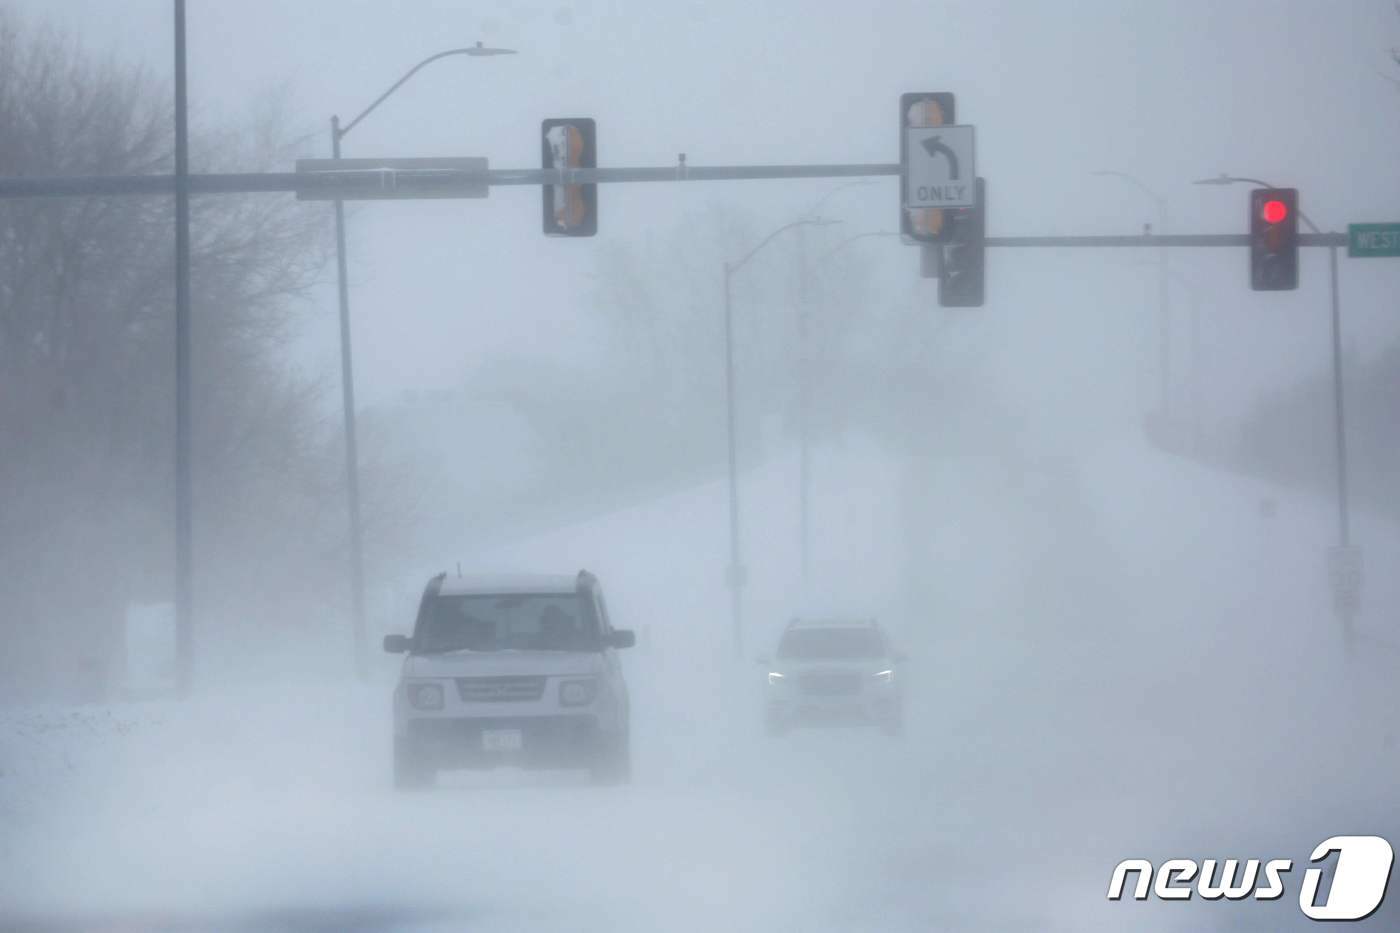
(963, 279)
(569, 143)
(1273, 239)
(924, 108)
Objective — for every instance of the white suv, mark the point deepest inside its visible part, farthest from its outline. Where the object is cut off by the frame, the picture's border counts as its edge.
(511, 671)
(833, 671)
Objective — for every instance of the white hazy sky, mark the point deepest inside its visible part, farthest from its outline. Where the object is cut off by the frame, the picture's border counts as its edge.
(1169, 91)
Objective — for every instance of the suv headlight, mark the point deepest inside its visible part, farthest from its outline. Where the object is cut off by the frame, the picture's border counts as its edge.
(424, 696)
(775, 679)
(577, 692)
(885, 677)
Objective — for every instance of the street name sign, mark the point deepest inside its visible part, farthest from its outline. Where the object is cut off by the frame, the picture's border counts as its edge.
(941, 166)
(1371, 240)
(388, 179)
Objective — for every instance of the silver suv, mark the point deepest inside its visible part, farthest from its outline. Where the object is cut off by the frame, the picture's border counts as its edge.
(511, 671)
(833, 671)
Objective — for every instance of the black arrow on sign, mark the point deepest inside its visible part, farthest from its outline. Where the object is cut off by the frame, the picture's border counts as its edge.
(933, 145)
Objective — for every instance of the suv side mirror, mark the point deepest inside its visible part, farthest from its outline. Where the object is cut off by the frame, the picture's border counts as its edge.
(622, 638)
(397, 644)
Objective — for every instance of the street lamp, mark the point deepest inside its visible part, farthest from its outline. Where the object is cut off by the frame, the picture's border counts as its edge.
(736, 570)
(1163, 298)
(851, 239)
(347, 371)
(804, 470)
(1224, 179)
(1344, 608)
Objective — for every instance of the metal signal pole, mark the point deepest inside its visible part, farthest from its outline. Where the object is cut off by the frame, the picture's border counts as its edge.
(184, 564)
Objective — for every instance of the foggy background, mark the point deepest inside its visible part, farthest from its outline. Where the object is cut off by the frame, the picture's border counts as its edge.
(1120, 648)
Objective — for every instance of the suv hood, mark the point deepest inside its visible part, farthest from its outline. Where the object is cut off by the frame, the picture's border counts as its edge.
(503, 663)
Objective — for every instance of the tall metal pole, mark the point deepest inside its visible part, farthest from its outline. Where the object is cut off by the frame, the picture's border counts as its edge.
(184, 595)
(804, 458)
(1164, 327)
(1345, 603)
(736, 573)
(1196, 439)
(1346, 607)
(347, 370)
(804, 384)
(352, 457)
(1338, 401)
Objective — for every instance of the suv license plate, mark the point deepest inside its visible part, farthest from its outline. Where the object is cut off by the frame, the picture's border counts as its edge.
(501, 740)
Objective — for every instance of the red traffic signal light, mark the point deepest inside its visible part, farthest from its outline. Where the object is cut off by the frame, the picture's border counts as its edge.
(1273, 239)
(1274, 211)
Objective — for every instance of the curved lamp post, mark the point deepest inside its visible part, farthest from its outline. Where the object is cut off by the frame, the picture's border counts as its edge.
(736, 570)
(347, 370)
(804, 390)
(1338, 400)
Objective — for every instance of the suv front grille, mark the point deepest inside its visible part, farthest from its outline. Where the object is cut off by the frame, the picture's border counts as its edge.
(500, 689)
(829, 683)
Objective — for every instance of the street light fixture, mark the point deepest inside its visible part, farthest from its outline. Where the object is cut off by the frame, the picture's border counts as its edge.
(1344, 609)
(1163, 295)
(1223, 179)
(852, 239)
(736, 570)
(347, 370)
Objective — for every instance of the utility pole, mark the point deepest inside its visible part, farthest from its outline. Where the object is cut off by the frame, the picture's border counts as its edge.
(184, 564)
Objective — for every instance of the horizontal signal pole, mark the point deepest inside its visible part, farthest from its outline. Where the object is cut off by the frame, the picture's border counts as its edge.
(344, 183)
(347, 184)
(96, 185)
(1176, 239)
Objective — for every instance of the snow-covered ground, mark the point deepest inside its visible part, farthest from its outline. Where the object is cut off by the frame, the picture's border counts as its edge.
(1115, 657)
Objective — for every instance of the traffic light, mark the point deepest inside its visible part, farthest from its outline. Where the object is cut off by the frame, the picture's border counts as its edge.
(1273, 239)
(927, 108)
(569, 210)
(963, 283)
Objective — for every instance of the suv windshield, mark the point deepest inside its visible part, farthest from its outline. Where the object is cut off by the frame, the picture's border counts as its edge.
(814, 644)
(510, 622)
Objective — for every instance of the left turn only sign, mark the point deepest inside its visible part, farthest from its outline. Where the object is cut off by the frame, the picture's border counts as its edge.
(941, 166)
